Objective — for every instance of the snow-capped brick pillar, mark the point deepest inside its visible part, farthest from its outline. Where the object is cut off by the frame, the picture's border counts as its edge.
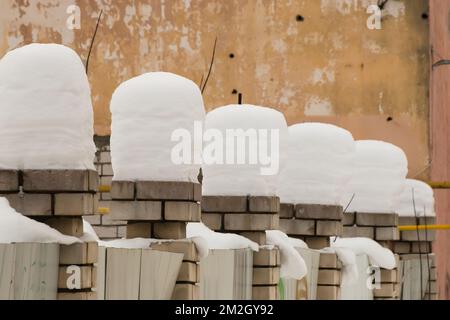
(266, 273)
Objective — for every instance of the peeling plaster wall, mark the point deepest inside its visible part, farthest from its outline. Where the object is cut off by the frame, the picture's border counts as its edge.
(325, 66)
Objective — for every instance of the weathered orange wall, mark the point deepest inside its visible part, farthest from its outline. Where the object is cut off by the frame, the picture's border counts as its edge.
(440, 133)
(328, 67)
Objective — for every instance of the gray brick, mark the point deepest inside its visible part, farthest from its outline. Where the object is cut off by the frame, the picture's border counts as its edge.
(297, 227)
(60, 180)
(387, 233)
(105, 157)
(169, 230)
(30, 204)
(75, 204)
(250, 222)
(256, 236)
(107, 170)
(266, 257)
(264, 204)
(377, 219)
(424, 235)
(319, 212)
(122, 190)
(139, 230)
(78, 253)
(328, 228)
(105, 196)
(266, 276)
(185, 247)
(224, 204)
(213, 221)
(359, 232)
(106, 232)
(328, 293)
(317, 242)
(107, 220)
(421, 247)
(168, 190)
(329, 261)
(94, 220)
(286, 210)
(70, 226)
(349, 219)
(122, 231)
(136, 210)
(182, 211)
(106, 180)
(9, 181)
(329, 277)
(401, 247)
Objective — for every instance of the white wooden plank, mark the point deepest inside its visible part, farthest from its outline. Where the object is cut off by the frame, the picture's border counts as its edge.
(411, 276)
(7, 265)
(311, 258)
(357, 290)
(101, 273)
(217, 275)
(243, 274)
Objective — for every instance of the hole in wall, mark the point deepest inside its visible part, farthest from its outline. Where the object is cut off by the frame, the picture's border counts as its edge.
(234, 91)
(231, 55)
(389, 119)
(300, 18)
(425, 16)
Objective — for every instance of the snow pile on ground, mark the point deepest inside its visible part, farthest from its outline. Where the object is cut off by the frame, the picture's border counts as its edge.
(16, 228)
(320, 158)
(148, 113)
(217, 240)
(292, 264)
(423, 200)
(249, 164)
(46, 116)
(378, 177)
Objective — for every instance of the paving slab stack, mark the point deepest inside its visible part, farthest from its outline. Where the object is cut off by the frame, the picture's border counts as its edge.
(312, 223)
(60, 199)
(329, 277)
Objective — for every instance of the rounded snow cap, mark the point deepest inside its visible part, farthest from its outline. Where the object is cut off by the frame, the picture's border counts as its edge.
(46, 116)
(378, 178)
(320, 158)
(244, 150)
(157, 121)
(418, 193)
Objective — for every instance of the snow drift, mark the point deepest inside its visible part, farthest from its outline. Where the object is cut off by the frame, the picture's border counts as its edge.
(46, 116)
(423, 199)
(320, 158)
(146, 111)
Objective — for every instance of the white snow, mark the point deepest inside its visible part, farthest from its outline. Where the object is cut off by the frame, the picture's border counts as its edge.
(146, 110)
(16, 228)
(89, 234)
(292, 263)
(423, 199)
(349, 269)
(217, 240)
(318, 169)
(266, 129)
(46, 116)
(378, 177)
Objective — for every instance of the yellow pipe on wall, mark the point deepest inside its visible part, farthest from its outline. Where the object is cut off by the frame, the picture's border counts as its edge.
(422, 227)
(104, 188)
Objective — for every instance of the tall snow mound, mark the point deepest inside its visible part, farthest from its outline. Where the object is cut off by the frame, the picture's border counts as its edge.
(262, 156)
(378, 177)
(46, 116)
(320, 158)
(146, 111)
(423, 199)
(16, 228)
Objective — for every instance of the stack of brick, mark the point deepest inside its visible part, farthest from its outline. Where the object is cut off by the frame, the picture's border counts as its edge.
(329, 277)
(389, 286)
(60, 199)
(381, 227)
(186, 287)
(249, 216)
(313, 223)
(266, 274)
(105, 227)
(155, 209)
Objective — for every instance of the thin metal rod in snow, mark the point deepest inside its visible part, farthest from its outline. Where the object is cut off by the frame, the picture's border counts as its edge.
(210, 65)
(240, 98)
(92, 41)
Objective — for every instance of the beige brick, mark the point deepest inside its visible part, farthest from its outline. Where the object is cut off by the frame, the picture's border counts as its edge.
(317, 243)
(389, 276)
(182, 211)
(86, 275)
(138, 230)
(422, 235)
(317, 211)
(106, 232)
(266, 276)
(286, 210)
(70, 226)
(79, 295)
(357, 232)
(376, 219)
(60, 180)
(224, 204)
(328, 293)
(30, 204)
(213, 221)
(121, 232)
(298, 227)
(169, 230)
(265, 293)
(94, 220)
(256, 236)
(9, 181)
(250, 222)
(136, 210)
(189, 272)
(78, 253)
(266, 257)
(107, 220)
(122, 190)
(329, 261)
(387, 290)
(106, 180)
(74, 204)
(105, 196)
(401, 247)
(329, 277)
(167, 190)
(264, 204)
(107, 170)
(349, 219)
(413, 221)
(421, 247)
(387, 233)
(186, 291)
(105, 157)
(328, 228)
(185, 247)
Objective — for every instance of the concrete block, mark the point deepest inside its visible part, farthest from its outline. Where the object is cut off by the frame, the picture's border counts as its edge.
(186, 291)
(329, 261)
(169, 230)
(66, 273)
(328, 293)
(266, 257)
(185, 247)
(256, 236)
(69, 226)
(136, 210)
(139, 230)
(401, 247)
(318, 211)
(389, 276)
(421, 247)
(317, 242)
(349, 219)
(328, 228)
(182, 211)
(265, 293)
(106, 232)
(9, 181)
(422, 235)
(412, 221)
(107, 220)
(79, 295)
(189, 272)
(264, 204)
(105, 196)
(213, 220)
(266, 276)
(94, 220)
(107, 170)
(75, 204)
(30, 204)
(251, 222)
(329, 277)
(387, 233)
(122, 190)
(377, 219)
(298, 227)
(387, 290)
(78, 253)
(167, 190)
(287, 210)
(105, 157)
(60, 180)
(224, 204)
(357, 232)
(106, 180)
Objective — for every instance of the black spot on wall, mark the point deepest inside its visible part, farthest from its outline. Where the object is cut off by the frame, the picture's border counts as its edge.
(300, 18)
(389, 119)
(234, 91)
(425, 16)
(231, 55)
